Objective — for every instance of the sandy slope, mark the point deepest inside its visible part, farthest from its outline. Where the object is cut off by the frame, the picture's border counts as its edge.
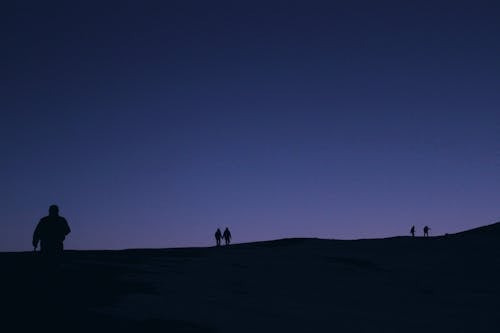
(439, 284)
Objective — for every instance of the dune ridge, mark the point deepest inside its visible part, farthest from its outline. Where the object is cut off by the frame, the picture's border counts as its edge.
(435, 284)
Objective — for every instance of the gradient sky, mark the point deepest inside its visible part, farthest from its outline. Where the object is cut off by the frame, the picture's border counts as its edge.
(152, 123)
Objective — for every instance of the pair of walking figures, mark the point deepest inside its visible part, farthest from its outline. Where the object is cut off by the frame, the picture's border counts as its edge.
(226, 235)
(426, 231)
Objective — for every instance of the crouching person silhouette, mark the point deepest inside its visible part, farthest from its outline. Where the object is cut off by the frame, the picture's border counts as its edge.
(51, 232)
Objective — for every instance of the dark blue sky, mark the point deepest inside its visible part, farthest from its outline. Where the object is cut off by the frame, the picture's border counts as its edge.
(152, 123)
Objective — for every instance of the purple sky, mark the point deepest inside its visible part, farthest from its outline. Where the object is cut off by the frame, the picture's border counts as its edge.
(153, 123)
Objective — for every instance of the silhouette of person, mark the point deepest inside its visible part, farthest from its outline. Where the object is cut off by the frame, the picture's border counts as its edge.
(426, 231)
(51, 232)
(412, 231)
(227, 236)
(218, 236)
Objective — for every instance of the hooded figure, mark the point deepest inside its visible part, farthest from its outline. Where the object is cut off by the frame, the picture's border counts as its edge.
(51, 232)
(227, 236)
(218, 236)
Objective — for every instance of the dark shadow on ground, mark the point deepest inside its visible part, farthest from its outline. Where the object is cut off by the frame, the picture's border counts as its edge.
(38, 296)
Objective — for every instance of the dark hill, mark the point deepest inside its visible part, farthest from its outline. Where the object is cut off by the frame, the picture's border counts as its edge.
(437, 284)
(484, 232)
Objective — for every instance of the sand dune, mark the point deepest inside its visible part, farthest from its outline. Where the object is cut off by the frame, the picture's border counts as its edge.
(400, 284)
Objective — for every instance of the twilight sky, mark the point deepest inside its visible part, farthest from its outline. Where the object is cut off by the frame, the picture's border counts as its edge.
(152, 123)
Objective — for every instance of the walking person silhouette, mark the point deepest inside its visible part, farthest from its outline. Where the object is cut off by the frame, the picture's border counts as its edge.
(412, 231)
(227, 236)
(426, 231)
(218, 236)
(51, 232)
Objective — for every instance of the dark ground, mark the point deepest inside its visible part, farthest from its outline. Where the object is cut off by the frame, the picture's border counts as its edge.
(439, 284)
(61, 297)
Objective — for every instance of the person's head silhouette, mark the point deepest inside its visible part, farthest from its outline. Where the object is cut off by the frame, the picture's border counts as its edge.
(53, 210)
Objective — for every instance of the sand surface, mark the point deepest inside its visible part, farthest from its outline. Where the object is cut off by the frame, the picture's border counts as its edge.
(402, 284)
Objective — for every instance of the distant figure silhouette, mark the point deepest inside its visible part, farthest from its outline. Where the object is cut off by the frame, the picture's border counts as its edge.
(426, 231)
(412, 231)
(227, 236)
(218, 236)
(51, 232)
